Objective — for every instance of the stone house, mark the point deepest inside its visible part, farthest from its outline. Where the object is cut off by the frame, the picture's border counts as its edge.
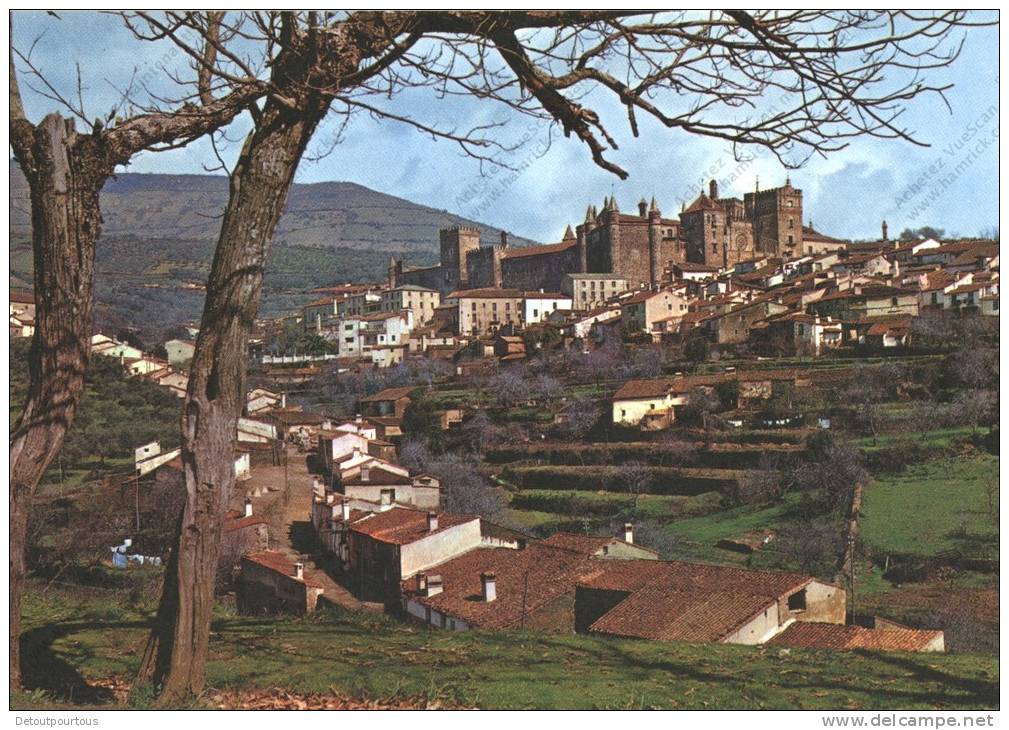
(272, 583)
(420, 300)
(391, 402)
(386, 548)
(590, 291)
(640, 312)
(531, 587)
(680, 601)
(377, 483)
(180, 351)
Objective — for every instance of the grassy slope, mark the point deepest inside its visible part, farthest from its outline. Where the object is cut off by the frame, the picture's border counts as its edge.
(933, 507)
(376, 657)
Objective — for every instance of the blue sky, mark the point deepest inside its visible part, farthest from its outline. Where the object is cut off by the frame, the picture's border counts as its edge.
(952, 185)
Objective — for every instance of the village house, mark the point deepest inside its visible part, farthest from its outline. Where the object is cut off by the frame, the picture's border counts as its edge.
(391, 402)
(538, 306)
(484, 311)
(640, 312)
(500, 588)
(22, 314)
(795, 333)
(861, 302)
(107, 347)
(418, 299)
(180, 352)
(258, 400)
(680, 601)
(378, 483)
(385, 548)
(733, 326)
(271, 583)
(242, 533)
(589, 291)
(844, 637)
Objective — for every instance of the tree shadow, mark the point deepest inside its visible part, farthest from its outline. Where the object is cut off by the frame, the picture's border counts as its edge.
(42, 668)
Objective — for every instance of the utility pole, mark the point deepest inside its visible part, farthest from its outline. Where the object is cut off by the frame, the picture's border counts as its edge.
(136, 482)
(851, 563)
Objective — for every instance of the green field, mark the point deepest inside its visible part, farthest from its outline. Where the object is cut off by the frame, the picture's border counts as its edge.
(701, 533)
(70, 642)
(933, 507)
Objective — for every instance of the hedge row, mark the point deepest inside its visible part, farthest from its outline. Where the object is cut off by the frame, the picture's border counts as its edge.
(663, 480)
(653, 454)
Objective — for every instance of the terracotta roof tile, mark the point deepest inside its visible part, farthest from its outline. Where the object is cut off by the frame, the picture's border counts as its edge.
(526, 580)
(401, 526)
(812, 635)
(514, 253)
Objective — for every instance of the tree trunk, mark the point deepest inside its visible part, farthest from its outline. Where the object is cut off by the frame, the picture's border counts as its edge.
(65, 172)
(177, 650)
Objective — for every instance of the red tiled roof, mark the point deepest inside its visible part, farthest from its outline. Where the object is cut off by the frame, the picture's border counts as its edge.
(235, 520)
(18, 297)
(679, 601)
(281, 563)
(390, 394)
(401, 526)
(526, 580)
(514, 253)
(377, 477)
(669, 614)
(813, 635)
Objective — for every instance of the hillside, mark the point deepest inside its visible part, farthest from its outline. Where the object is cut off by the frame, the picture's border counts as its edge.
(160, 230)
(76, 647)
(322, 215)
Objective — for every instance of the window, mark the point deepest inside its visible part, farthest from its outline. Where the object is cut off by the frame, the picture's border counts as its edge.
(790, 203)
(791, 240)
(893, 301)
(797, 601)
(935, 298)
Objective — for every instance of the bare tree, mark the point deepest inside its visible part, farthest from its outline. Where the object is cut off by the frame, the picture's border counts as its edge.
(66, 169)
(676, 451)
(831, 68)
(636, 479)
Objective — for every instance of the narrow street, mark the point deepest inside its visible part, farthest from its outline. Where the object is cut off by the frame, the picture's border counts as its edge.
(290, 520)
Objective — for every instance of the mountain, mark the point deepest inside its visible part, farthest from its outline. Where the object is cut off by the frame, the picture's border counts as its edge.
(320, 215)
(159, 233)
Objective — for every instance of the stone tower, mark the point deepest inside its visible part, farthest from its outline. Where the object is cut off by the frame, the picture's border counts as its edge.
(654, 244)
(456, 244)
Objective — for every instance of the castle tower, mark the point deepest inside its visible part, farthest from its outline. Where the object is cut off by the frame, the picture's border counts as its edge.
(654, 243)
(395, 268)
(884, 231)
(456, 243)
(642, 208)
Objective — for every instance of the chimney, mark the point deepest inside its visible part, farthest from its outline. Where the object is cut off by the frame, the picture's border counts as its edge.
(488, 581)
(299, 571)
(358, 419)
(248, 508)
(330, 498)
(629, 533)
(432, 521)
(713, 190)
(345, 510)
(434, 585)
